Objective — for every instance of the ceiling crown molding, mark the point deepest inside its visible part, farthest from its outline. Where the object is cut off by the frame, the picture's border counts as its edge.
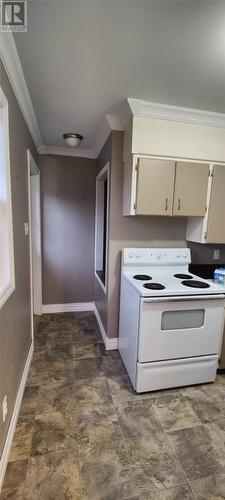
(155, 110)
(11, 62)
(59, 151)
(109, 123)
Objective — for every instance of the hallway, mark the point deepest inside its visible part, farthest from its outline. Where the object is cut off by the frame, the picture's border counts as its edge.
(83, 433)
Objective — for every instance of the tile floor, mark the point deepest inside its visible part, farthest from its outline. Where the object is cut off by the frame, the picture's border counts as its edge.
(84, 434)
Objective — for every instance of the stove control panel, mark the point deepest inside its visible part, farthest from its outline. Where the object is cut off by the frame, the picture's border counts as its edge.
(156, 256)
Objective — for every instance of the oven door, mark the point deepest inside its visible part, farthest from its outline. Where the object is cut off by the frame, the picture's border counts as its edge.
(179, 327)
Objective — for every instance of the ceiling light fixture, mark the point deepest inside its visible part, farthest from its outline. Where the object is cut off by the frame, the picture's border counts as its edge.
(72, 139)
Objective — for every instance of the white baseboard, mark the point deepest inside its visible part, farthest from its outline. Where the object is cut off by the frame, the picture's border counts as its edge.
(14, 418)
(110, 343)
(73, 307)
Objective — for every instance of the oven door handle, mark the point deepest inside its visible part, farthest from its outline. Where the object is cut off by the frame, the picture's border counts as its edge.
(183, 298)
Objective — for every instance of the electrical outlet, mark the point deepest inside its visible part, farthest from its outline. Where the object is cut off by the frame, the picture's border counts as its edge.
(4, 408)
(216, 254)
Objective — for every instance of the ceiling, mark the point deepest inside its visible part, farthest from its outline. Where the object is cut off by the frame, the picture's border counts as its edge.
(81, 59)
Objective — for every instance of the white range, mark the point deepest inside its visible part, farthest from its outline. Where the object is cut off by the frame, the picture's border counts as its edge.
(171, 321)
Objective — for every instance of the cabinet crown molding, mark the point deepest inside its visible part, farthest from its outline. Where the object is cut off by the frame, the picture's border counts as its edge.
(147, 109)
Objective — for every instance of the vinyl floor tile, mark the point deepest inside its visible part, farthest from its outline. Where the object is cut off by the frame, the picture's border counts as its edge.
(207, 408)
(121, 388)
(83, 432)
(56, 394)
(30, 401)
(92, 392)
(98, 424)
(177, 493)
(21, 447)
(14, 478)
(53, 477)
(89, 368)
(174, 412)
(153, 463)
(196, 452)
(87, 350)
(105, 472)
(216, 431)
(138, 419)
(53, 432)
(210, 488)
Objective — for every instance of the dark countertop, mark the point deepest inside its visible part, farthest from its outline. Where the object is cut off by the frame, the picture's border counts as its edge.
(205, 271)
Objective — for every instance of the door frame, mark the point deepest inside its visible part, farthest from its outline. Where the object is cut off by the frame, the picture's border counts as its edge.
(35, 260)
(102, 175)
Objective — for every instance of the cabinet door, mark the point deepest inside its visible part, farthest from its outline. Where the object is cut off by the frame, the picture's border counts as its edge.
(215, 232)
(155, 181)
(191, 182)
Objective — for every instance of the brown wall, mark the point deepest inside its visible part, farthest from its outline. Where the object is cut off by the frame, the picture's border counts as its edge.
(15, 321)
(203, 254)
(68, 219)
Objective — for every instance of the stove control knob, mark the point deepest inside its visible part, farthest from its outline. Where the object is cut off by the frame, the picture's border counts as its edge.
(184, 255)
(178, 255)
(130, 255)
(158, 255)
(137, 255)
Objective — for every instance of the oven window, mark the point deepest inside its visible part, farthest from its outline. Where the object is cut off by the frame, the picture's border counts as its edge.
(181, 320)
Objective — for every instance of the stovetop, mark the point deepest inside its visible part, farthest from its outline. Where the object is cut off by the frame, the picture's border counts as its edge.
(164, 272)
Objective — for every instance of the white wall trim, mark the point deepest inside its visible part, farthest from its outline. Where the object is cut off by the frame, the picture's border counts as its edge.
(111, 344)
(161, 111)
(14, 418)
(11, 62)
(72, 307)
(8, 285)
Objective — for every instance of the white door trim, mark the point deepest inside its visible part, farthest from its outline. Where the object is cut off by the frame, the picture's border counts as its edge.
(36, 264)
(103, 174)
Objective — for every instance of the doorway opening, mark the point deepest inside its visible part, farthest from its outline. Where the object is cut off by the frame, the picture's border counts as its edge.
(101, 226)
(34, 239)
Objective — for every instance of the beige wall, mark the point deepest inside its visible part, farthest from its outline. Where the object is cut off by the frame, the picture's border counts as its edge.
(139, 231)
(132, 231)
(15, 321)
(68, 222)
(127, 231)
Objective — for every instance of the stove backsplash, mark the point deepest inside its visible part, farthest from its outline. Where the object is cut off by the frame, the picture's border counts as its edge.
(203, 263)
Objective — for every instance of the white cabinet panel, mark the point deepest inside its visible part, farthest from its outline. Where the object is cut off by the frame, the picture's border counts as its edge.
(155, 181)
(190, 192)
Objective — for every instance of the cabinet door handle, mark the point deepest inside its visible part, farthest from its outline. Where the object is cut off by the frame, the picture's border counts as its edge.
(179, 204)
(166, 204)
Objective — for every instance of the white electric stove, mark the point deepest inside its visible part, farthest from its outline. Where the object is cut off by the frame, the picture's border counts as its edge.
(171, 321)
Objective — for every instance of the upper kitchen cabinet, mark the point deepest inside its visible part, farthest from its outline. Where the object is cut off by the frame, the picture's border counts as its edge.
(190, 188)
(211, 228)
(154, 187)
(162, 143)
